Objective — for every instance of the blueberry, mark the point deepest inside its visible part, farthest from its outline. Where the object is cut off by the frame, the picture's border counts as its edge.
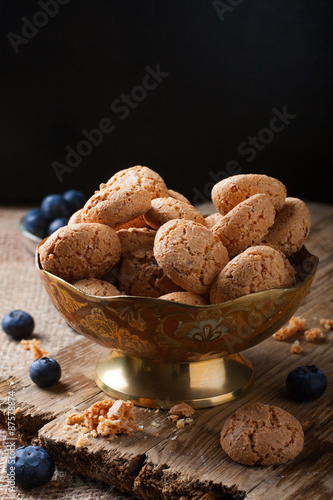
(54, 206)
(18, 324)
(75, 199)
(56, 223)
(36, 223)
(306, 383)
(45, 372)
(32, 466)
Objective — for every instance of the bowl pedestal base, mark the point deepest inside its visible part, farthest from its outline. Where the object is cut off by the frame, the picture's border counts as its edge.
(154, 384)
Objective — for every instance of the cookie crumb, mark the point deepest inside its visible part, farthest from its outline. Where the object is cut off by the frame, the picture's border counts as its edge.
(180, 423)
(181, 410)
(327, 323)
(70, 393)
(82, 440)
(33, 345)
(18, 410)
(294, 326)
(296, 348)
(313, 334)
(106, 418)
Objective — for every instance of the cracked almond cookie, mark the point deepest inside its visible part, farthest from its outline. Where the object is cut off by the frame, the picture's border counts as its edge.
(164, 209)
(259, 434)
(177, 196)
(227, 193)
(185, 298)
(246, 224)
(141, 177)
(140, 275)
(291, 227)
(116, 205)
(133, 239)
(257, 268)
(80, 251)
(190, 254)
(94, 286)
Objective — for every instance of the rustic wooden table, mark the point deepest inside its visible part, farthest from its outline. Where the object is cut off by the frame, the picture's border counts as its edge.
(162, 462)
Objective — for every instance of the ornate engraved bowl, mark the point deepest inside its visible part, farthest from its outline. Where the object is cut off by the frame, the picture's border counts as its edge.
(164, 352)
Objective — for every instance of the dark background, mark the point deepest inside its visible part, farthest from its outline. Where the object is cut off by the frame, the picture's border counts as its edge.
(225, 78)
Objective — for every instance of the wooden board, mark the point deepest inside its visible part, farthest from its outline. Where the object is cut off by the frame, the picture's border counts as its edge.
(163, 462)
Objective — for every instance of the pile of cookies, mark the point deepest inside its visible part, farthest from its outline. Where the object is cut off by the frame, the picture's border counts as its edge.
(134, 236)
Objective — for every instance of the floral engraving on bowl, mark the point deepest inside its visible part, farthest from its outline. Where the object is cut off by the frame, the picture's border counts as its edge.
(116, 337)
(204, 329)
(132, 315)
(70, 303)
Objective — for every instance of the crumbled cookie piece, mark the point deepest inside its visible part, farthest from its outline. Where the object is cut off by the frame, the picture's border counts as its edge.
(327, 323)
(82, 440)
(33, 345)
(181, 410)
(180, 423)
(294, 326)
(106, 418)
(296, 348)
(313, 334)
(18, 410)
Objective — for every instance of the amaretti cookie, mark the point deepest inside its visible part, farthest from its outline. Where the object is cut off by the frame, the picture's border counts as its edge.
(138, 222)
(80, 251)
(177, 196)
(213, 219)
(116, 205)
(227, 193)
(259, 434)
(190, 254)
(141, 275)
(133, 239)
(185, 298)
(142, 177)
(246, 224)
(257, 268)
(75, 217)
(164, 209)
(94, 286)
(291, 227)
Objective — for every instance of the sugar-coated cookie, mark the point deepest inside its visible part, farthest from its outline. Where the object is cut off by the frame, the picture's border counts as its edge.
(227, 193)
(75, 217)
(80, 251)
(116, 205)
(178, 196)
(259, 434)
(257, 268)
(246, 224)
(291, 227)
(142, 177)
(190, 254)
(164, 209)
(133, 239)
(185, 298)
(94, 286)
(141, 275)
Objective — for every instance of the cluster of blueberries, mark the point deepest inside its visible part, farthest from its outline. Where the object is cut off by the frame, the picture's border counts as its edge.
(54, 212)
(34, 466)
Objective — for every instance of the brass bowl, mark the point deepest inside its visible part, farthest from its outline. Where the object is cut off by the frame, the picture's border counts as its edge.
(164, 352)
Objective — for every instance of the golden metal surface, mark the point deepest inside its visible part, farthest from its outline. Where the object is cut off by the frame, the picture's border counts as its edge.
(165, 351)
(161, 385)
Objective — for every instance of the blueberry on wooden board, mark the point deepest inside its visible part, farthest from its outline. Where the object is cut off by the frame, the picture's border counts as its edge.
(45, 372)
(306, 383)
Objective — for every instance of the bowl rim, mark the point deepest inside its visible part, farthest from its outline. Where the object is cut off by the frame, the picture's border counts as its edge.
(27, 234)
(137, 298)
